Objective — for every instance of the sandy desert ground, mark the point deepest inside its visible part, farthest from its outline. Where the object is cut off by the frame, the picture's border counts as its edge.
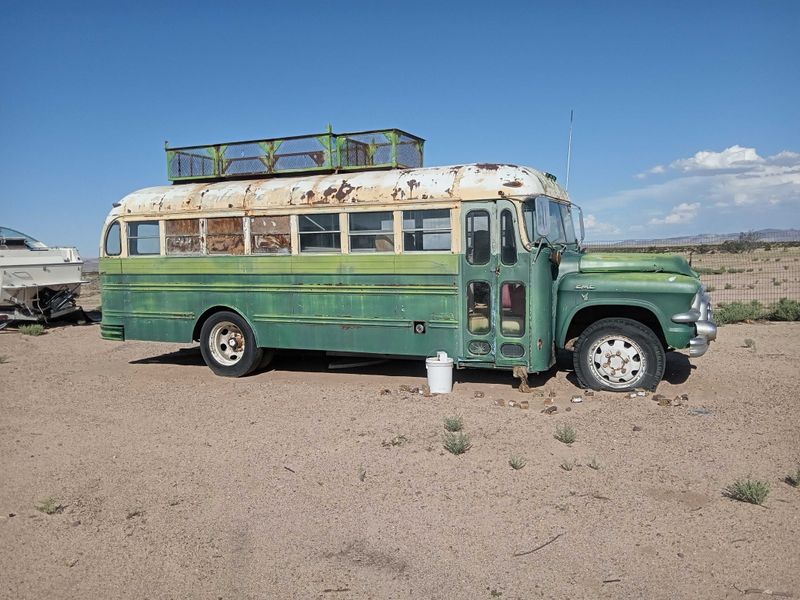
(301, 482)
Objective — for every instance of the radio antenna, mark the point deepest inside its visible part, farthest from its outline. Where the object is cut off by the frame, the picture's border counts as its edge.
(569, 149)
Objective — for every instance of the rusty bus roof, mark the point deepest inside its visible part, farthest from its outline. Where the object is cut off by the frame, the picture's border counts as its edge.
(467, 182)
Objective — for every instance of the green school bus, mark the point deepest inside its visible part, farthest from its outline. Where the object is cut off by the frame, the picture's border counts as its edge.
(353, 253)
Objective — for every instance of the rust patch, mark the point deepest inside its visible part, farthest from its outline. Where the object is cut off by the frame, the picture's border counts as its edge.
(513, 184)
(412, 183)
(501, 193)
(343, 190)
(488, 166)
(540, 344)
(328, 193)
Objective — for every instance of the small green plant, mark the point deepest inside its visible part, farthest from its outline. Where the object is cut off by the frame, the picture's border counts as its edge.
(33, 329)
(453, 424)
(728, 286)
(362, 473)
(568, 465)
(49, 506)
(566, 434)
(793, 479)
(593, 464)
(750, 343)
(516, 462)
(747, 489)
(457, 442)
(4, 359)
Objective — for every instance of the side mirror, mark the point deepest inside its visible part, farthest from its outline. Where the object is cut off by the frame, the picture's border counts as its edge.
(542, 216)
(580, 218)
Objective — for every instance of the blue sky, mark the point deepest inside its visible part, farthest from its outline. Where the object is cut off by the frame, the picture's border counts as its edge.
(686, 113)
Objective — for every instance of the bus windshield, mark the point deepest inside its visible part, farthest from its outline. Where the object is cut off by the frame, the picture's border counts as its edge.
(562, 228)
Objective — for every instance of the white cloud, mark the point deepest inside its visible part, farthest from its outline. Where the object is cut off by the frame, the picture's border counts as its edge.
(595, 227)
(732, 190)
(683, 213)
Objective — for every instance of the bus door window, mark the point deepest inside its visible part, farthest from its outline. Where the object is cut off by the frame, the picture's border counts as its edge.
(508, 239)
(478, 237)
(512, 315)
(478, 307)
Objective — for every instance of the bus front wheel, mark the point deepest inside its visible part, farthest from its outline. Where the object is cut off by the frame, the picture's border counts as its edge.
(228, 345)
(619, 355)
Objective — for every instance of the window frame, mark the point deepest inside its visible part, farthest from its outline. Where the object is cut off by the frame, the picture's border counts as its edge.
(130, 239)
(114, 223)
(337, 231)
(403, 231)
(371, 232)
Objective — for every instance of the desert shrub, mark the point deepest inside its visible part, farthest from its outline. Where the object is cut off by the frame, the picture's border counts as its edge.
(735, 312)
(516, 462)
(453, 424)
(786, 310)
(457, 443)
(565, 434)
(749, 490)
(33, 329)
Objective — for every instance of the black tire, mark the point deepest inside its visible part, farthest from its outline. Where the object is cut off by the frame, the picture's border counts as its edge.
(638, 362)
(228, 345)
(266, 358)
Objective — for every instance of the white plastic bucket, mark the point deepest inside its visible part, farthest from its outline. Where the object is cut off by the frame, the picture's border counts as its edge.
(440, 373)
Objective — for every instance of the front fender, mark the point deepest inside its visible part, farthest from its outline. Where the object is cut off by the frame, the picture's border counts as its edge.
(662, 294)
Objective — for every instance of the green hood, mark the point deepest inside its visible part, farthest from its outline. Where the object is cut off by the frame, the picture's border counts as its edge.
(635, 262)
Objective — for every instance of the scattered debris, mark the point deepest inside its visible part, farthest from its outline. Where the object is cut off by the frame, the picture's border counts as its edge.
(611, 580)
(289, 469)
(551, 393)
(512, 403)
(335, 590)
(479, 395)
(588, 393)
(386, 392)
(550, 410)
(576, 399)
(410, 389)
(766, 592)
(397, 440)
(699, 411)
(637, 428)
(524, 404)
(547, 543)
(499, 402)
(521, 373)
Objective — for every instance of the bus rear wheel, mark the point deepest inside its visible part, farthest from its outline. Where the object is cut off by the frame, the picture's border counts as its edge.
(228, 345)
(619, 355)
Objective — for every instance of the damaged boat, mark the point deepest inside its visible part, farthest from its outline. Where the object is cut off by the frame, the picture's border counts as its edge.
(37, 283)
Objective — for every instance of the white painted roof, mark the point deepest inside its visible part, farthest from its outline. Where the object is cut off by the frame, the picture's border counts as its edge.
(460, 182)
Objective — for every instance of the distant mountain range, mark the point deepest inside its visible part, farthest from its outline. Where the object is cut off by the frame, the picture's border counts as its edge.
(764, 235)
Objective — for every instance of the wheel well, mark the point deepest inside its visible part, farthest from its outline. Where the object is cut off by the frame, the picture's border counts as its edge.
(202, 319)
(586, 316)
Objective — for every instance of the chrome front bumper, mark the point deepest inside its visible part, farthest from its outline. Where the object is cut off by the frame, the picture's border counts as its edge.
(702, 316)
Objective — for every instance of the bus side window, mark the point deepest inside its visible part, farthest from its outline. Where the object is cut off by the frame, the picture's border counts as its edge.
(270, 235)
(225, 235)
(371, 232)
(183, 236)
(508, 239)
(144, 238)
(320, 233)
(478, 240)
(427, 230)
(113, 245)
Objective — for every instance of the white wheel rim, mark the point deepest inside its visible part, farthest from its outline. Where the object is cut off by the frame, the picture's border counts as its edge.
(226, 342)
(617, 360)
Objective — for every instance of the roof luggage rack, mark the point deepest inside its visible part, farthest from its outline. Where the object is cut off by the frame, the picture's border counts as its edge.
(318, 153)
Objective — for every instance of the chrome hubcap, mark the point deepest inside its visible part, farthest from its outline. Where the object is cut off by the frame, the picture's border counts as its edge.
(226, 343)
(617, 360)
